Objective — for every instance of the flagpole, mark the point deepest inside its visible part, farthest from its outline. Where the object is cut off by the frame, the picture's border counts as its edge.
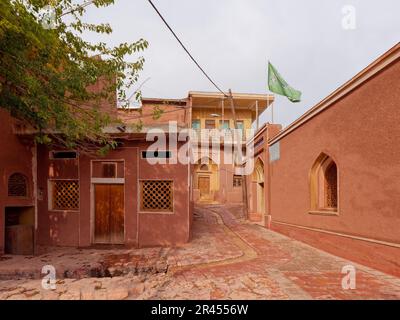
(272, 111)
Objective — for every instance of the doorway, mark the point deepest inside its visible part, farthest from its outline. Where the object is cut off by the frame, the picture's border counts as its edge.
(258, 179)
(19, 230)
(109, 222)
(204, 187)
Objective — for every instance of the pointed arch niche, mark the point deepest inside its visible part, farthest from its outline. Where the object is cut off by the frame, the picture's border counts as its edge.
(324, 186)
(258, 182)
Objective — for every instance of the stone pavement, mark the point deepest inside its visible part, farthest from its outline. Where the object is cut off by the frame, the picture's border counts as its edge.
(228, 258)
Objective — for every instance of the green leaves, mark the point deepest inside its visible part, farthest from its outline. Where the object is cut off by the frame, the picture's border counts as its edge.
(59, 83)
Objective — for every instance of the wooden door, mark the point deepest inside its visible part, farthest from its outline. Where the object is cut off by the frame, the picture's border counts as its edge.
(109, 213)
(204, 186)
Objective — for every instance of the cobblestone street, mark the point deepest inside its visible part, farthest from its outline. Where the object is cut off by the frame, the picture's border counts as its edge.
(228, 258)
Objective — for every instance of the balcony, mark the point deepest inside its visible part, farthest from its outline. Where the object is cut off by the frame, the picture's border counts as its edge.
(223, 136)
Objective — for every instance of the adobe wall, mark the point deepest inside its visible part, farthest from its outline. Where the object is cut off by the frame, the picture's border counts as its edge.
(73, 228)
(171, 112)
(261, 153)
(361, 133)
(16, 156)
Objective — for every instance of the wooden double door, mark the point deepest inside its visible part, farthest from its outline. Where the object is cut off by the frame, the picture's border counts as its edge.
(109, 224)
(204, 186)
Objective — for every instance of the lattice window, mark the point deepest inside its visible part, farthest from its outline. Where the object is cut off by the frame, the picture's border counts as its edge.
(237, 181)
(17, 185)
(331, 186)
(324, 184)
(156, 195)
(65, 195)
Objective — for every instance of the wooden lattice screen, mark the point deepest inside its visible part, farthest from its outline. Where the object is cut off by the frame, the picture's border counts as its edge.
(156, 195)
(66, 195)
(331, 186)
(17, 185)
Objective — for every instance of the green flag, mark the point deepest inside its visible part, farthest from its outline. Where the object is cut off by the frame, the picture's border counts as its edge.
(278, 85)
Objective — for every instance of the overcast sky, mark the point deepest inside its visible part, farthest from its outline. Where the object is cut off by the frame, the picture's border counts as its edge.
(233, 39)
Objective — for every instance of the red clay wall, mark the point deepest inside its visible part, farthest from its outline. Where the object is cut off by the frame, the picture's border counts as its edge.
(261, 153)
(166, 228)
(361, 133)
(171, 112)
(56, 227)
(71, 228)
(15, 157)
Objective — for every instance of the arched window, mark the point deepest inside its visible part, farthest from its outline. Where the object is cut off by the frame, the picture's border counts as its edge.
(323, 184)
(17, 185)
(331, 186)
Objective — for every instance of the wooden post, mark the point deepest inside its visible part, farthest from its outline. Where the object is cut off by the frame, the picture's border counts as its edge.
(238, 147)
(223, 110)
(257, 120)
(272, 112)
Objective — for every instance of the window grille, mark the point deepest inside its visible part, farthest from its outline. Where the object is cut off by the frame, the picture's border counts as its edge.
(17, 185)
(331, 186)
(156, 154)
(156, 195)
(63, 155)
(65, 195)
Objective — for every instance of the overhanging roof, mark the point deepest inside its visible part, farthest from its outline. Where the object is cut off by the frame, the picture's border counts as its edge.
(241, 100)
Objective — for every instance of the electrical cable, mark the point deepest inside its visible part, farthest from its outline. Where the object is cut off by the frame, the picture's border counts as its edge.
(187, 51)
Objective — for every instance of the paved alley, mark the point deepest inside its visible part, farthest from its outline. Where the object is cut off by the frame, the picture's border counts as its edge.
(228, 258)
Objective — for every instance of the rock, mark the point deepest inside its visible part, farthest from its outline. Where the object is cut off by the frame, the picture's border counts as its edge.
(71, 295)
(50, 295)
(117, 293)
(87, 294)
(137, 290)
(100, 294)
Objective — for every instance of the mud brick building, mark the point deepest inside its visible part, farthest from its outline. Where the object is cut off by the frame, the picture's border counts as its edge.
(330, 179)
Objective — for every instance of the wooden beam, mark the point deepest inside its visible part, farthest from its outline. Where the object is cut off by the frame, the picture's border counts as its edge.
(238, 147)
(257, 116)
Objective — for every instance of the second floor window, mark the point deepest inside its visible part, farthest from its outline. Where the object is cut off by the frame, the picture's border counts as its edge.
(210, 124)
(196, 124)
(224, 124)
(240, 124)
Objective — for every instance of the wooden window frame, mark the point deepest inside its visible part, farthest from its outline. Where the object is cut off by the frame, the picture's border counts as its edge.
(318, 186)
(237, 178)
(51, 154)
(197, 121)
(221, 124)
(210, 120)
(26, 185)
(168, 154)
(51, 198)
(115, 164)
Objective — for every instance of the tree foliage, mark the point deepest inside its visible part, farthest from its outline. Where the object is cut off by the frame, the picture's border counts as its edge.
(46, 74)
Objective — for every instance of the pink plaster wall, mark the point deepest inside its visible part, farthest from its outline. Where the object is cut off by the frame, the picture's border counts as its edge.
(16, 156)
(361, 133)
(71, 228)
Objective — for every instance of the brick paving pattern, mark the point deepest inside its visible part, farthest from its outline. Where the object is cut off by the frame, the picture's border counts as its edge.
(228, 258)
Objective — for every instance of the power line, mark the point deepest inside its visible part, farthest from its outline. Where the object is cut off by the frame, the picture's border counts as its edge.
(187, 51)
